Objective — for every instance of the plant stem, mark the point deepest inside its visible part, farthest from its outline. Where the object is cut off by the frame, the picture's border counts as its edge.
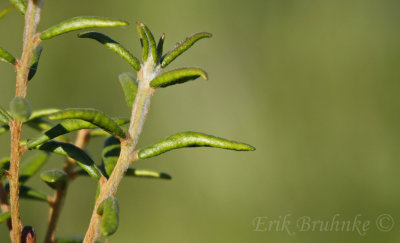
(127, 155)
(81, 141)
(30, 41)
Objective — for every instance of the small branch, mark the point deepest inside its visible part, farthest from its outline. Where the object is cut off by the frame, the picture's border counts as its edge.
(30, 41)
(57, 201)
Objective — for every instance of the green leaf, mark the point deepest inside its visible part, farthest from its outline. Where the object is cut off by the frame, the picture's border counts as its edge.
(182, 47)
(35, 61)
(151, 41)
(2, 172)
(4, 116)
(147, 174)
(109, 220)
(27, 192)
(5, 56)
(100, 132)
(144, 41)
(93, 116)
(4, 216)
(6, 11)
(191, 139)
(4, 129)
(70, 150)
(70, 239)
(160, 46)
(20, 108)
(78, 23)
(129, 86)
(177, 76)
(41, 125)
(54, 178)
(5, 163)
(19, 5)
(42, 113)
(113, 46)
(64, 127)
(110, 154)
(30, 166)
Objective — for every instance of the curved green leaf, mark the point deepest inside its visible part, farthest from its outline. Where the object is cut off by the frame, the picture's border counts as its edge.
(144, 41)
(4, 216)
(177, 76)
(42, 112)
(4, 129)
(41, 125)
(160, 47)
(5, 56)
(54, 178)
(110, 216)
(182, 47)
(6, 11)
(4, 116)
(100, 132)
(147, 174)
(151, 41)
(19, 5)
(113, 46)
(110, 154)
(70, 150)
(20, 108)
(64, 127)
(191, 139)
(93, 116)
(70, 239)
(30, 166)
(78, 23)
(129, 86)
(35, 61)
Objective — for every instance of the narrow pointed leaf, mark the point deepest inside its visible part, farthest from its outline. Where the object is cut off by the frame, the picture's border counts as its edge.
(191, 139)
(4, 216)
(5, 56)
(6, 11)
(100, 132)
(144, 41)
(93, 116)
(129, 86)
(64, 127)
(30, 166)
(110, 216)
(177, 76)
(70, 150)
(110, 154)
(113, 46)
(42, 113)
(42, 125)
(4, 129)
(27, 192)
(160, 46)
(182, 47)
(70, 239)
(147, 174)
(19, 5)
(78, 23)
(35, 61)
(151, 41)
(54, 178)
(4, 116)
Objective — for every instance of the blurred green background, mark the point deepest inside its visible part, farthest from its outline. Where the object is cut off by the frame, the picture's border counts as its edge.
(314, 85)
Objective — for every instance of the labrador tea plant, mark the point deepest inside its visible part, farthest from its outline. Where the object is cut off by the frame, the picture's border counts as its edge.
(120, 142)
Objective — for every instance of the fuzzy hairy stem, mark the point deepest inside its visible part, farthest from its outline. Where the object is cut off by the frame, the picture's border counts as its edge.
(57, 201)
(30, 41)
(128, 153)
